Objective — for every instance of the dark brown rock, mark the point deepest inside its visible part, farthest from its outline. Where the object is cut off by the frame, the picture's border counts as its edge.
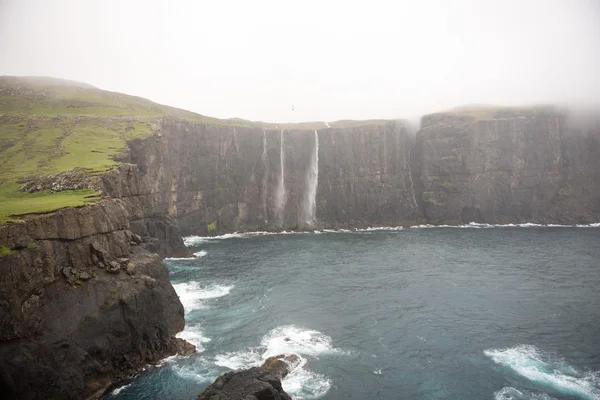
(258, 383)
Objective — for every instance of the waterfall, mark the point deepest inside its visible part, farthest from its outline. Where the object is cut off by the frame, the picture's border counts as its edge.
(235, 142)
(312, 184)
(265, 162)
(280, 197)
(412, 186)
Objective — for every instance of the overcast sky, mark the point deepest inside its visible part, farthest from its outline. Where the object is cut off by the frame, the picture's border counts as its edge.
(331, 60)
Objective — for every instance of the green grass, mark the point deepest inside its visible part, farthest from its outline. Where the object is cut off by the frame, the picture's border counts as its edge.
(14, 203)
(50, 125)
(4, 251)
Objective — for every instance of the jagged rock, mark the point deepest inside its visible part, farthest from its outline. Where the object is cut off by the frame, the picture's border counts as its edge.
(72, 179)
(66, 272)
(123, 261)
(113, 267)
(84, 276)
(131, 268)
(184, 348)
(101, 265)
(258, 383)
(95, 259)
(136, 238)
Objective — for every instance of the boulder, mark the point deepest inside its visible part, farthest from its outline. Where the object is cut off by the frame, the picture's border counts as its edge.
(258, 383)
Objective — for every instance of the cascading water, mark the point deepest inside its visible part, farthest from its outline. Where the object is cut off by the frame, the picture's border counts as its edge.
(264, 178)
(312, 184)
(412, 185)
(235, 142)
(280, 197)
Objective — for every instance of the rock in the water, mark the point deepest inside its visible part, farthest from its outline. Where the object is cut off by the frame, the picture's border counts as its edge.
(184, 348)
(258, 383)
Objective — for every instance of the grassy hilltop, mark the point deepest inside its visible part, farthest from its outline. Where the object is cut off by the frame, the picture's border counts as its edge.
(49, 126)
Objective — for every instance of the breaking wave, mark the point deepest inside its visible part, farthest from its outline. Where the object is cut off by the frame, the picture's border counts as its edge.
(476, 225)
(546, 370)
(510, 393)
(193, 295)
(301, 383)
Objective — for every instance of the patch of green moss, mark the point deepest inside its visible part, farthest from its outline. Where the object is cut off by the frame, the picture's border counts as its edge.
(32, 246)
(212, 227)
(4, 251)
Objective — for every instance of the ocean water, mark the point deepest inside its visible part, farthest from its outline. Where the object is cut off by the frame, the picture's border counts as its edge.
(508, 312)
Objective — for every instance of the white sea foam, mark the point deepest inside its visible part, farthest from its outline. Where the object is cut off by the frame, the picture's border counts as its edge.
(475, 225)
(596, 225)
(380, 228)
(197, 240)
(192, 294)
(194, 373)
(510, 393)
(200, 254)
(300, 383)
(292, 339)
(547, 370)
(239, 359)
(195, 335)
(304, 384)
(119, 389)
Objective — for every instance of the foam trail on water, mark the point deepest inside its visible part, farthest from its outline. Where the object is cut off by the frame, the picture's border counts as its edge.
(192, 294)
(547, 370)
(510, 393)
(476, 225)
(119, 390)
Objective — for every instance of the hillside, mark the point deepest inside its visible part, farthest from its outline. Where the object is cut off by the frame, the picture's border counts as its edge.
(50, 126)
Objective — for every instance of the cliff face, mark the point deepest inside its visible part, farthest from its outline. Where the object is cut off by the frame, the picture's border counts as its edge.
(214, 179)
(83, 304)
(515, 167)
(512, 166)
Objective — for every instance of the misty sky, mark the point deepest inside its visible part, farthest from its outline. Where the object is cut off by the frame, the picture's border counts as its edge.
(329, 59)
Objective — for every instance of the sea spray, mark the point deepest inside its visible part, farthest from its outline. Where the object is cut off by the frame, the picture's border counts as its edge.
(547, 370)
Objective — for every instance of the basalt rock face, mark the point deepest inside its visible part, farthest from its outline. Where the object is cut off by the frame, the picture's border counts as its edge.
(519, 166)
(516, 165)
(211, 179)
(82, 304)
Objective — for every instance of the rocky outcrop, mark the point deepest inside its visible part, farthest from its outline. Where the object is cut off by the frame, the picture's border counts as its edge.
(83, 304)
(257, 383)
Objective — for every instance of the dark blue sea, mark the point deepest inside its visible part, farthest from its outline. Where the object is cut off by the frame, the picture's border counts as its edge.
(468, 313)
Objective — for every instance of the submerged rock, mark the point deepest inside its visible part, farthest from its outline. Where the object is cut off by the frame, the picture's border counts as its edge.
(257, 383)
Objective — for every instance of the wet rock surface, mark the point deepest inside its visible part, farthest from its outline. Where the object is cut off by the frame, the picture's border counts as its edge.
(258, 383)
(69, 328)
